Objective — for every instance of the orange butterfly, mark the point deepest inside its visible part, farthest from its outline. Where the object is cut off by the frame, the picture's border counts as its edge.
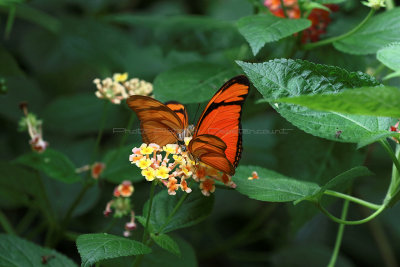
(217, 137)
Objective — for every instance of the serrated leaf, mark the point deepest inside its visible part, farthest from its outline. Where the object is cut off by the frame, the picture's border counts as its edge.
(194, 209)
(375, 101)
(96, 247)
(378, 32)
(182, 83)
(289, 78)
(390, 56)
(119, 168)
(15, 252)
(166, 242)
(261, 29)
(271, 186)
(53, 163)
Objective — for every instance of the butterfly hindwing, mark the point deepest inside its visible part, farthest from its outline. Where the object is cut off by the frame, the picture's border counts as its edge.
(222, 117)
(158, 123)
(180, 111)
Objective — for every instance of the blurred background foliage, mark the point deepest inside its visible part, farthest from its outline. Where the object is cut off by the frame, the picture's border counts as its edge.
(55, 49)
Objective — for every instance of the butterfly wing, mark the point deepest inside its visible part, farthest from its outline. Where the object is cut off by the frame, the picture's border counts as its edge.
(210, 150)
(180, 111)
(159, 124)
(222, 117)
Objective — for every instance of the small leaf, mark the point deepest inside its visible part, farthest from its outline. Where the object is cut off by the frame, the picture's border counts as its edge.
(271, 186)
(375, 101)
(166, 243)
(194, 79)
(160, 257)
(261, 29)
(52, 162)
(194, 209)
(390, 56)
(280, 78)
(376, 137)
(96, 247)
(339, 182)
(378, 32)
(345, 178)
(15, 251)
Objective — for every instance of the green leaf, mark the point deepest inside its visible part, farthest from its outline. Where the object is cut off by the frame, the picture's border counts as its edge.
(390, 56)
(80, 114)
(374, 101)
(344, 179)
(52, 162)
(16, 180)
(160, 257)
(194, 79)
(339, 182)
(15, 251)
(38, 17)
(261, 29)
(369, 139)
(271, 186)
(184, 33)
(194, 209)
(378, 32)
(166, 242)
(96, 247)
(119, 168)
(280, 78)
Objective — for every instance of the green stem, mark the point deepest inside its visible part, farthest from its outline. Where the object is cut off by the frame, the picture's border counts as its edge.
(100, 133)
(26, 221)
(5, 223)
(340, 37)
(76, 202)
(394, 183)
(171, 215)
(389, 4)
(10, 22)
(146, 228)
(139, 258)
(284, 8)
(352, 199)
(339, 236)
(341, 221)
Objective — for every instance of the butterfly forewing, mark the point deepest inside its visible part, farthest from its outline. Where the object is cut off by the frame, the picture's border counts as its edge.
(222, 117)
(158, 123)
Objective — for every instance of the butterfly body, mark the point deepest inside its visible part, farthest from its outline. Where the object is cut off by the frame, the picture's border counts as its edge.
(216, 138)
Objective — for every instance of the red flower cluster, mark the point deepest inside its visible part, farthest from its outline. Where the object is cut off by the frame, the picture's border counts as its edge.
(320, 18)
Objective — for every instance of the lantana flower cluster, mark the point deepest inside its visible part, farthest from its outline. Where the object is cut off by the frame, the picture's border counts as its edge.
(119, 87)
(34, 127)
(122, 206)
(173, 168)
(320, 18)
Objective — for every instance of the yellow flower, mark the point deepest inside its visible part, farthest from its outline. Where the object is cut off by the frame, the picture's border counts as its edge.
(162, 172)
(186, 171)
(149, 174)
(120, 77)
(144, 163)
(179, 159)
(125, 189)
(170, 148)
(187, 140)
(146, 150)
